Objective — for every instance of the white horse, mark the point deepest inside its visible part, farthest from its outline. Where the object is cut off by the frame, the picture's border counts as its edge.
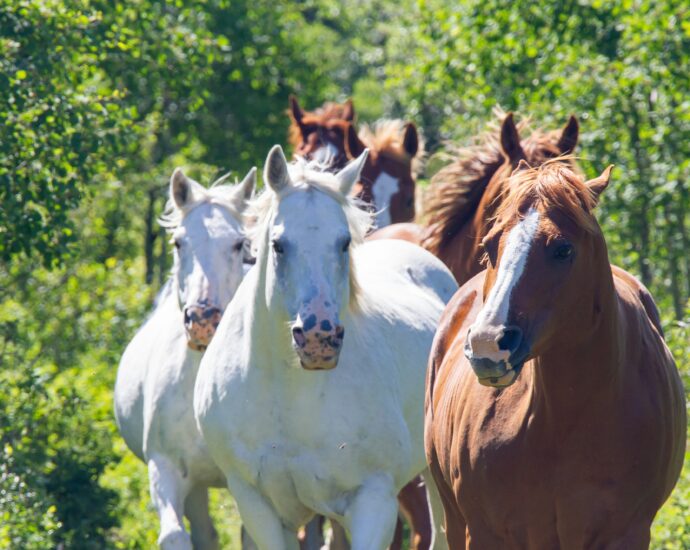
(155, 380)
(293, 434)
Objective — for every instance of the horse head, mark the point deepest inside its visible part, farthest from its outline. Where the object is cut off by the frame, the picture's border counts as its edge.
(309, 276)
(208, 236)
(388, 178)
(544, 254)
(320, 135)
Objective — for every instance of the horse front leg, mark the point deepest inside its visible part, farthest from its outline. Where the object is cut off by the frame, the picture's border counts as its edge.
(260, 520)
(169, 489)
(415, 507)
(372, 515)
(204, 534)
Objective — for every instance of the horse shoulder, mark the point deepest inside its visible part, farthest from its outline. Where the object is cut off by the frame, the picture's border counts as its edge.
(444, 359)
(135, 368)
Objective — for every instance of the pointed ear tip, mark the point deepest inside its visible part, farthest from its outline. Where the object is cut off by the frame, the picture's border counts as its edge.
(178, 175)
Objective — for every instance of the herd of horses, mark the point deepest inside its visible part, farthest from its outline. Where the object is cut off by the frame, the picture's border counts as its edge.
(339, 348)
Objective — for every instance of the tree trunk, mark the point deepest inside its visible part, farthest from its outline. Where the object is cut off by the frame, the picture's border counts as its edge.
(674, 272)
(150, 235)
(642, 213)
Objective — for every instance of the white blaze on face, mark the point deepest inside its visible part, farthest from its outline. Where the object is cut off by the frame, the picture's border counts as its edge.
(492, 319)
(325, 154)
(383, 190)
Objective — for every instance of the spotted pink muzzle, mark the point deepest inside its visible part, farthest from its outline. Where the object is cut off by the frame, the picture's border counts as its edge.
(200, 323)
(317, 340)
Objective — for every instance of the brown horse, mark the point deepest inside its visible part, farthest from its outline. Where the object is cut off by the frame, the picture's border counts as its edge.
(555, 416)
(321, 134)
(395, 152)
(465, 193)
(388, 179)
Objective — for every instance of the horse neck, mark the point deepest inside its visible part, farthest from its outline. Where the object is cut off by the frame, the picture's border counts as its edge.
(567, 382)
(265, 324)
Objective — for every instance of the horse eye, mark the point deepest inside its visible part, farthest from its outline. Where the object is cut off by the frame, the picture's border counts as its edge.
(563, 252)
(346, 244)
(277, 247)
(177, 243)
(238, 246)
(410, 202)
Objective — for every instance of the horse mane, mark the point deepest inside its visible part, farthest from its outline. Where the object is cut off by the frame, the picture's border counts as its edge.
(328, 111)
(555, 185)
(457, 189)
(386, 137)
(311, 175)
(218, 193)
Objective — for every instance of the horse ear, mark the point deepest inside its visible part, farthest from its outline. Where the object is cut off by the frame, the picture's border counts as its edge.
(245, 189)
(510, 140)
(569, 136)
(349, 175)
(349, 110)
(522, 165)
(410, 139)
(276, 174)
(182, 189)
(353, 145)
(295, 110)
(598, 184)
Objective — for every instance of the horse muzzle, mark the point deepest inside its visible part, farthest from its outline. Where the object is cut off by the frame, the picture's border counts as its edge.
(497, 361)
(200, 323)
(317, 342)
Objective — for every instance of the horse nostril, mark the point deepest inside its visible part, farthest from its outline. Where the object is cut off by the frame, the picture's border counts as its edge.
(511, 339)
(298, 336)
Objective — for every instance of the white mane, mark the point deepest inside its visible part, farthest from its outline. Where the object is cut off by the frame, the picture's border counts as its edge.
(217, 193)
(308, 174)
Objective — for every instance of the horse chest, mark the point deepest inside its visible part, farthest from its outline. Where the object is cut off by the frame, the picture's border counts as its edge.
(528, 488)
(314, 446)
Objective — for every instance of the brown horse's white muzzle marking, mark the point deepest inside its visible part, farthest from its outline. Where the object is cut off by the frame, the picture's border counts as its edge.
(200, 323)
(491, 351)
(317, 341)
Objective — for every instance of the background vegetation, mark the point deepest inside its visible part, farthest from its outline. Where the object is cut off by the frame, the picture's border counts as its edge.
(100, 100)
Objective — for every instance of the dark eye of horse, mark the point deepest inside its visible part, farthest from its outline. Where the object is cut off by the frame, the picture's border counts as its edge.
(410, 202)
(277, 247)
(346, 244)
(238, 246)
(563, 252)
(177, 244)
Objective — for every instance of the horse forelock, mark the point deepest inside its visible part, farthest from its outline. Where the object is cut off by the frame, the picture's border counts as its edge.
(218, 193)
(457, 189)
(553, 186)
(385, 138)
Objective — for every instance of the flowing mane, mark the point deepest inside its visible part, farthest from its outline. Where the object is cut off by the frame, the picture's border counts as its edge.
(457, 189)
(310, 175)
(386, 137)
(218, 193)
(552, 186)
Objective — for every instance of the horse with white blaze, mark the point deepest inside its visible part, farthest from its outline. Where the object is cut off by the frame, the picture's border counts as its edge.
(155, 379)
(310, 397)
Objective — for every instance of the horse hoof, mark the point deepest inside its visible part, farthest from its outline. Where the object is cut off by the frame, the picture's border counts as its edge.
(175, 540)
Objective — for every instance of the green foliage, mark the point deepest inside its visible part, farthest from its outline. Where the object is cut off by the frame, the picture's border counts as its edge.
(58, 124)
(101, 100)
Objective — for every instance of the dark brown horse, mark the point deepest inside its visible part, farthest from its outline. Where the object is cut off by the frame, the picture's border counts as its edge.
(555, 416)
(465, 193)
(395, 151)
(388, 179)
(321, 134)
